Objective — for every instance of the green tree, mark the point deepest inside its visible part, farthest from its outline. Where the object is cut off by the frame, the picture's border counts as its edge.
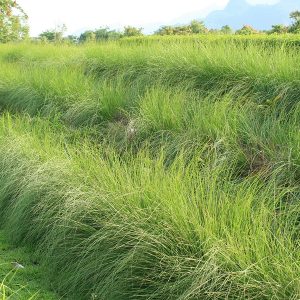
(182, 30)
(246, 30)
(198, 27)
(195, 27)
(279, 29)
(72, 39)
(60, 30)
(295, 16)
(165, 30)
(13, 22)
(54, 35)
(226, 29)
(88, 36)
(132, 31)
(47, 36)
(103, 34)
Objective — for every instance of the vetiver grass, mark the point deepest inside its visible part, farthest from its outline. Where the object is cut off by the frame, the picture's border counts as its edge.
(104, 227)
(268, 71)
(139, 172)
(174, 113)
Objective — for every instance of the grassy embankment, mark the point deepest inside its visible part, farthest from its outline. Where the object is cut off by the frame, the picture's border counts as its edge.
(145, 172)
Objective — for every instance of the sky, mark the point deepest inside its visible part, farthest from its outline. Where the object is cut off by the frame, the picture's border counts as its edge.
(91, 14)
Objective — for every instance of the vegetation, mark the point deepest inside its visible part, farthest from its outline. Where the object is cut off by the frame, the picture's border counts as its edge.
(56, 35)
(138, 171)
(295, 27)
(195, 27)
(132, 31)
(13, 25)
(162, 167)
(226, 29)
(19, 281)
(247, 29)
(279, 28)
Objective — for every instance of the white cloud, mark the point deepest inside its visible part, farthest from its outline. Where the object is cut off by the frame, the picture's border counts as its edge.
(269, 2)
(45, 14)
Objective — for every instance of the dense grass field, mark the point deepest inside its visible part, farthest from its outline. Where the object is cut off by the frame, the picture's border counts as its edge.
(155, 168)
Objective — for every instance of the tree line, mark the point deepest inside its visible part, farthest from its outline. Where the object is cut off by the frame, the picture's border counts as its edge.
(14, 27)
(101, 34)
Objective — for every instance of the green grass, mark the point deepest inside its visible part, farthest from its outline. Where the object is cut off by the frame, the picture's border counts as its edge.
(133, 170)
(24, 283)
(103, 221)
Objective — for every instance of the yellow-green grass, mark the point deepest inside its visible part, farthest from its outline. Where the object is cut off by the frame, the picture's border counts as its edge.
(134, 227)
(136, 171)
(21, 277)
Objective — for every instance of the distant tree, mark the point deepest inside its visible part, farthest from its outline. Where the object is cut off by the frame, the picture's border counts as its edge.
(198, 27)
(132, 31)
(279, 29)
(165, 30)
(47, 36)
(87, 37)
(114, 35)
(295, 16)
(195, 27)
(73, 39)
(106, 34)
(182, 30)
(213, 31)
(60, 30)
(102, 34)
(246, 30)
(13, 22)
(54, 35)
(226, 29)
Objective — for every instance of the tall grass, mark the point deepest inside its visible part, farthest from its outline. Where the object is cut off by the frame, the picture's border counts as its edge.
(103, 226)
(269, 73)
(140, 172)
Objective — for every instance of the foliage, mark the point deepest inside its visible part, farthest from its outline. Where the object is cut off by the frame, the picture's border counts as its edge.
(246, 30)
(87, 36)
(226, 29)
(279, 29)
(47, 36)
(105, 34)
(132, 31)
(73, 39)
(101, 34)
(55, 35)
(195, 27)
(155, 170)
(13, 22)
(295, 16)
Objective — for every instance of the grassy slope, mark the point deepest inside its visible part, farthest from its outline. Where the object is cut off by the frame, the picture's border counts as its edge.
(113, 233)
(192, 192)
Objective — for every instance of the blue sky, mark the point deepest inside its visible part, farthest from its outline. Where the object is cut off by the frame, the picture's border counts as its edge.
(91, 14)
